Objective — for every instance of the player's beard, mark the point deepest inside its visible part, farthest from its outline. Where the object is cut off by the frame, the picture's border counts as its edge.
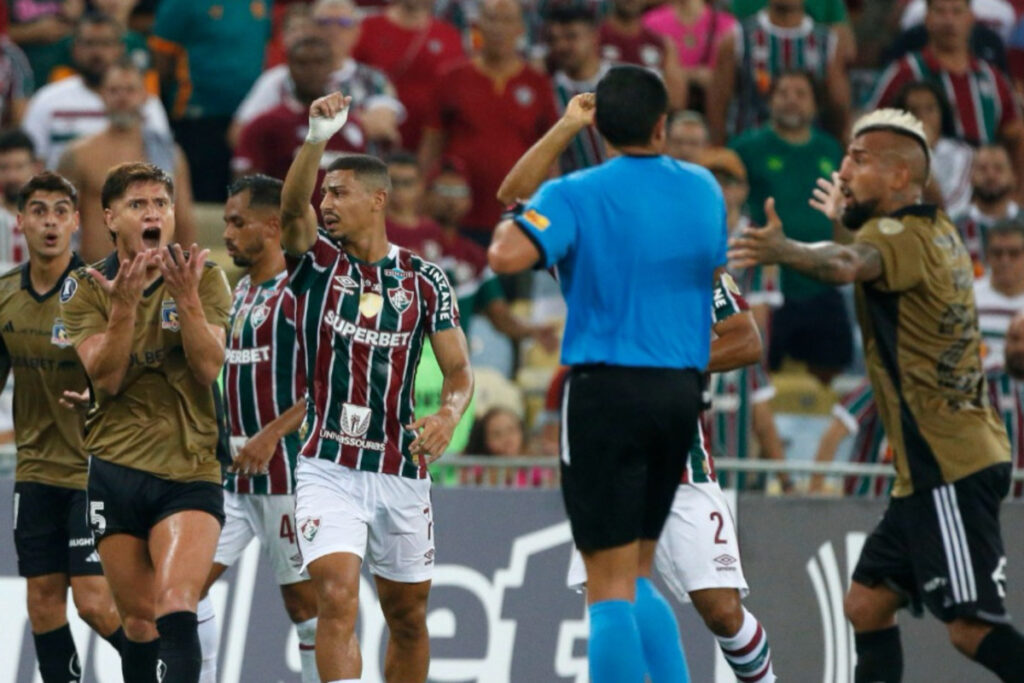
(856, 214)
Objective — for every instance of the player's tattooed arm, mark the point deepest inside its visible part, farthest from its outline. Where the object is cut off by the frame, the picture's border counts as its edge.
(435, 431)
(826, 261)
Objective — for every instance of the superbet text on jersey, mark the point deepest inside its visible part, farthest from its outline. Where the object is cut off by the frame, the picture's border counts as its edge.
(362, 327)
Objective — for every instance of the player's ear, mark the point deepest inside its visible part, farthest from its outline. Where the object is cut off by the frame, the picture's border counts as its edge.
(380, 200)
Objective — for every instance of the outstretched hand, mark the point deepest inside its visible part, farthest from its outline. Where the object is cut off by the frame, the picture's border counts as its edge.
(753, 246)
(182, 274)
(327, 115)
(827, 197)
(126, 287)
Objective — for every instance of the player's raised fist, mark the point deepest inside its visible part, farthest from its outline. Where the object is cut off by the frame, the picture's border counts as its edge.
(580, 110)
(326, 116)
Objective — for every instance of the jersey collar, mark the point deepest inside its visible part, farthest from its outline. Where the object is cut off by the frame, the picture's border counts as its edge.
(922, 210)
(112, 264)
(26, 279)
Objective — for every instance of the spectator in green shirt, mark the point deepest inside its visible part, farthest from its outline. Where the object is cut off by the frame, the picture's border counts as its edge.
(208, 54)
(784, 159)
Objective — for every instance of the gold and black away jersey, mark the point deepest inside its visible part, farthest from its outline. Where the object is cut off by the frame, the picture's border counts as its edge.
(35, 345)
(163, 421)
(923, 352)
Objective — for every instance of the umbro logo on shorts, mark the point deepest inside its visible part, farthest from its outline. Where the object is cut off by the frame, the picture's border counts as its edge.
(726, 561)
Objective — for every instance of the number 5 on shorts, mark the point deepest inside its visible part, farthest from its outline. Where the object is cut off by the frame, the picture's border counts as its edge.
(96, 520)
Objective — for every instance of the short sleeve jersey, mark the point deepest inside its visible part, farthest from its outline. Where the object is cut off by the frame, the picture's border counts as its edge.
(263, 377)
(361, 327)
(35, 347)
(222, 45)
(488, 124)
(636, 267)
(163, 421)
(922, 348)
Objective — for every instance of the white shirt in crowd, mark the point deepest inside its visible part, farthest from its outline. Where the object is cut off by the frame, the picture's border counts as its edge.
(65, 110)
(951, 166)
(998, 15)
(995, 311)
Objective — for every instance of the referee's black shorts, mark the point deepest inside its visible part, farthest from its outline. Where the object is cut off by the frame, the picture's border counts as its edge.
(626, 433)
(125, 500)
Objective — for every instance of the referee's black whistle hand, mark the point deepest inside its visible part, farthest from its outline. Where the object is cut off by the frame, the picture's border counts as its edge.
(754, 246)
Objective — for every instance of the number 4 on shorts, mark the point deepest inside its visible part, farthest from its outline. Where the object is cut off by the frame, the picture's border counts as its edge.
(287, 529)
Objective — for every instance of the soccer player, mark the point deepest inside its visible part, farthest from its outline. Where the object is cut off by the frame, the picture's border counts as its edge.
(699, 532)
(637, 268)
(149, 324)
(51, 534)
(363, 308)
(264, 389)
(939, 543)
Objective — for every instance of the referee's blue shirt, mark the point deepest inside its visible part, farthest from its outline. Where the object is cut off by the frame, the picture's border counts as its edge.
(636, 242)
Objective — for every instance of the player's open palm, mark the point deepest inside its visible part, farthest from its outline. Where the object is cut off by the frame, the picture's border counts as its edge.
(434, 434)
(126, 287)
(753, 246)
(182, 272)
(828, 198)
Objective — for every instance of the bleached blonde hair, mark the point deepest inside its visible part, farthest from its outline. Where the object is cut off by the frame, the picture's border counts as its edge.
(896, 121)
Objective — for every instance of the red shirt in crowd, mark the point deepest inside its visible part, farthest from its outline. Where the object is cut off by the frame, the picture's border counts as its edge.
(487, 124)
(412, 59)
(646, 48)
(424, 239)
(270, 141)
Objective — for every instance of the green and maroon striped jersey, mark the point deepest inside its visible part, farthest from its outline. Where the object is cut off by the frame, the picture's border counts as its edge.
(859, 414)
(764, 51)
(1007, 397)
(715, 428)
(263, 377)
(361, 328)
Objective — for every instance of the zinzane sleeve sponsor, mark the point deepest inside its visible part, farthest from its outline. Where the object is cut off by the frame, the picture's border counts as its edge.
(727, 299)
(82, 309)
(440, 307)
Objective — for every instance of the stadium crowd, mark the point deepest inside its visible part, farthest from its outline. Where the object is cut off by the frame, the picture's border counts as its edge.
(451, 94)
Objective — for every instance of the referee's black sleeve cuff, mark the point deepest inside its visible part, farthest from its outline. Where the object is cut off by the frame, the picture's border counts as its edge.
(542, 261)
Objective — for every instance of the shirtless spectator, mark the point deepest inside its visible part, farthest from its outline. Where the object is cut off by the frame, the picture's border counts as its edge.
(72, 107)
(126, 138)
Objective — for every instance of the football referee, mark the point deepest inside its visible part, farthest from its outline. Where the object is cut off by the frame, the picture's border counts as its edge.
(637, 243)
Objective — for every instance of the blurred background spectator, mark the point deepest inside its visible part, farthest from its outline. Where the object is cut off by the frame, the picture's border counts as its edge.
(208, 55)
(85, 161)
(993, 184)
(17, 166)
(784, 159)
(67, 109)
(687, 135)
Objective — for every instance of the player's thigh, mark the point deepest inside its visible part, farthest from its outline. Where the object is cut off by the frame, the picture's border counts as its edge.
(41, 537)
(335, 578)
(883, 580)
(92, 597)
(401, 535)
(957, 548)
(240, 525)
(276, 529)
(129, 572)
(182, 546)
(46, 600)
(332, 510)
(699, 548)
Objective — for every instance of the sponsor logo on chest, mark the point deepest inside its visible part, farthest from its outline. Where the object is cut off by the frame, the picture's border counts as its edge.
(362, 335)
(248, 356)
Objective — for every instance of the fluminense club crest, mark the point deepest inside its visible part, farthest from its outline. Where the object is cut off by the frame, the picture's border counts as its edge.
(399, 298)
(259, 315)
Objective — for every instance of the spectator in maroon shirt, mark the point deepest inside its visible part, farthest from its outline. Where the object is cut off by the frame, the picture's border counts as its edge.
(269, 142)
(492, 108)
(625, 39)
